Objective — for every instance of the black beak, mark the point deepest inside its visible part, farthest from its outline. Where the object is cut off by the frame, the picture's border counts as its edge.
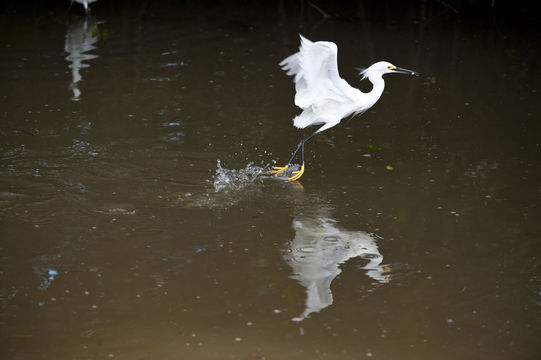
(405, 71)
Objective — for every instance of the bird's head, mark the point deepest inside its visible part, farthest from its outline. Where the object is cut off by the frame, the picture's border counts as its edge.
(384, 67)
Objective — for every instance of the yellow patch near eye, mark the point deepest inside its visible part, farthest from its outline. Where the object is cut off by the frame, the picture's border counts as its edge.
(391, 67)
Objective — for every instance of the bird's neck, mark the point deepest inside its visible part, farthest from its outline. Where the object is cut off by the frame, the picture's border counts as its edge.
(377, 89)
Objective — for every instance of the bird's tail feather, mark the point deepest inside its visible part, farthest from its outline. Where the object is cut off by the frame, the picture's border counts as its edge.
(306, 118)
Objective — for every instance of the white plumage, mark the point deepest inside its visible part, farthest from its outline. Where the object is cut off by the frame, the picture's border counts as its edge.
(323, 95)
(320, 92)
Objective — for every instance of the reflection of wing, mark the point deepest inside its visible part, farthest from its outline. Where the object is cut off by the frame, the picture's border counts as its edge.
(79, 41)
(316, 252)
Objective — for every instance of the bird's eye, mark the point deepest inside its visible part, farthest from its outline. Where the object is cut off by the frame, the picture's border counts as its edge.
(391, 67)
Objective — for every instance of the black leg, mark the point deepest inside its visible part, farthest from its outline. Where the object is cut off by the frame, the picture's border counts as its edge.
(302, 154)
(301, 146)
(295, 153)
(296, 174)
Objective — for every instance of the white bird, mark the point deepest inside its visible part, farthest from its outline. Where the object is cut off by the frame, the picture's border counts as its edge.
(84, 3)
(323, 95)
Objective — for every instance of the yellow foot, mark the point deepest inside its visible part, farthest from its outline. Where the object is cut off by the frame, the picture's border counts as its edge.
(297, 174)
(278, 170)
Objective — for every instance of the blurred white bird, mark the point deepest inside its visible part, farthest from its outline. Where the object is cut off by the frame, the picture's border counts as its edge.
(84, 3)
(80, 41)
(319, 248)
(324, 96)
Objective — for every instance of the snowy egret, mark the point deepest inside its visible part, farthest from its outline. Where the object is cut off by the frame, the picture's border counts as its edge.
(323, 95)
(84, 3)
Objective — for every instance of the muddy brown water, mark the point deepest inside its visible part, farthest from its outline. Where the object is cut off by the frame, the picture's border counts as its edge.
(137, 221)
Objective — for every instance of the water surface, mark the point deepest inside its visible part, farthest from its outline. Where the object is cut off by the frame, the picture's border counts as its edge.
(138, 222)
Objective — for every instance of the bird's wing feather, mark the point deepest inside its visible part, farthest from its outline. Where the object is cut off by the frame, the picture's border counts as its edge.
(317, 81)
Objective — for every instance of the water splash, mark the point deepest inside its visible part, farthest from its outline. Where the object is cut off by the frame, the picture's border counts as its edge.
(237, 179)
(227, 187)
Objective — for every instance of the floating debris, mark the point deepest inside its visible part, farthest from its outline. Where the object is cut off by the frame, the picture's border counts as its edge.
(373, 147)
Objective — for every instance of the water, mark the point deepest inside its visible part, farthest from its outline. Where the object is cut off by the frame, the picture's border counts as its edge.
(232, 179)
(138, 219)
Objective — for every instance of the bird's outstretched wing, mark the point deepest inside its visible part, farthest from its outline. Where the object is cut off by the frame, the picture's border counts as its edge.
(317, 81)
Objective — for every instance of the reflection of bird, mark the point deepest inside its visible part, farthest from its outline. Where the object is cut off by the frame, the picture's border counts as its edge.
(324, 96)
(84, 3)
(316, 252)
(79, 41)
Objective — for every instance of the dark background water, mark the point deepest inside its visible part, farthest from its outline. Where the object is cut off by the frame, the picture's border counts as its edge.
(136, 222)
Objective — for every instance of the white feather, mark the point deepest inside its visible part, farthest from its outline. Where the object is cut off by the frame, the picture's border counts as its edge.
(323, 95)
